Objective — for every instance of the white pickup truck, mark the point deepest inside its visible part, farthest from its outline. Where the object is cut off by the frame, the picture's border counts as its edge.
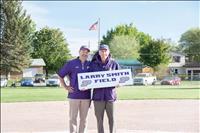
(144, 79)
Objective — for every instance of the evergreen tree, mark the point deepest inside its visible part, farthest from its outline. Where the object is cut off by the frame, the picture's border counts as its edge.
(17, 35)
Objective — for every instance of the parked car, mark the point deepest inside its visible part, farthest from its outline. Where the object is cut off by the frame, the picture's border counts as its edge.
(171, 80)
(144, 79)
(54, 81)
(27, 82)
(4, 82)
(39, 78)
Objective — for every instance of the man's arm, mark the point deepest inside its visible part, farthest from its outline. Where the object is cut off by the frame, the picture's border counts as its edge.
(65, 70)
(68, 88)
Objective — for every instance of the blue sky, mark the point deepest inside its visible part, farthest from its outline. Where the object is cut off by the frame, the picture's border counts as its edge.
(157, 18)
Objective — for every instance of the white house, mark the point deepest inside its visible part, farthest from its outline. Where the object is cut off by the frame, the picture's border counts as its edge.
(179, 66)
(177, 63)
(35, 67)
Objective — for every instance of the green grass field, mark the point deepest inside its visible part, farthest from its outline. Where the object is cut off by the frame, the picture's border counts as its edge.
(187, 90)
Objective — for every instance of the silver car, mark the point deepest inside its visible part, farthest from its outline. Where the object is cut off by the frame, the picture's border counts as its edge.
(53, 81)
(4, 82)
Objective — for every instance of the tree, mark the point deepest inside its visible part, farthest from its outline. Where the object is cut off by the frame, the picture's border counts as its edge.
(50, 45)
(154, 53)
(190, 44)
(16, 38)
(161, 70)
(127, 30)
(124, 47)
(2, 20)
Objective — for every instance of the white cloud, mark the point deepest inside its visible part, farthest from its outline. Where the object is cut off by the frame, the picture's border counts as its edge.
(37, 13)
(34, 9)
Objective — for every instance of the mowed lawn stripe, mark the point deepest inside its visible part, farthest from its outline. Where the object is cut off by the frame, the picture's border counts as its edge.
(187, 90)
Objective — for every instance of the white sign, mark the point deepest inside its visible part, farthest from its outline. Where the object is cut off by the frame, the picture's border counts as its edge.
(103, 79)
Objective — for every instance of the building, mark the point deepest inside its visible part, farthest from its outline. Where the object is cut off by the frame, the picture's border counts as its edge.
(177, 63)
(134, 65)
(180, 66)
(37, 66)
(192, 70)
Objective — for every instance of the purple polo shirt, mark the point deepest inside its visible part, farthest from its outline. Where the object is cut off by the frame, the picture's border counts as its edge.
(107, 93)
(72, 68)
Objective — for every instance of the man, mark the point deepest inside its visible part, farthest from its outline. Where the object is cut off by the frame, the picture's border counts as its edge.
(79, 101)
(104, 97)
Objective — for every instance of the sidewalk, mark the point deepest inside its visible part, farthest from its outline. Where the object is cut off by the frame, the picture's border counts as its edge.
(106, 131)
(132, 116)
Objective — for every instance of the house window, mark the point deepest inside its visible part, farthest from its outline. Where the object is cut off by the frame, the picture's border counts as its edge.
(189, 74)
(175, 71)
(176, 59)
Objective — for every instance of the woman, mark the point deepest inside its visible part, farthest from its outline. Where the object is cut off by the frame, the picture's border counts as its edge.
(104, 98)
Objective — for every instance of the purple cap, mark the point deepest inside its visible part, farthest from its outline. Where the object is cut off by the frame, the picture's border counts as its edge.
(103, 46)
(84, 47)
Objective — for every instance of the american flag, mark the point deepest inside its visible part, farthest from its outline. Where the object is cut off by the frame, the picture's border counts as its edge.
(94, 26)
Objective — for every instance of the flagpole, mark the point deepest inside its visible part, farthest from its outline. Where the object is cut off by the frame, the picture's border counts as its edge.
(99, 32)
(89, 43)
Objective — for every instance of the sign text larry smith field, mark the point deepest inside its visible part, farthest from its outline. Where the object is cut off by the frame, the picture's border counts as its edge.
(103, 79)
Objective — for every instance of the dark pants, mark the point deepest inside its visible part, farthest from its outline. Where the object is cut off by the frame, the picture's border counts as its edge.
(100, 107)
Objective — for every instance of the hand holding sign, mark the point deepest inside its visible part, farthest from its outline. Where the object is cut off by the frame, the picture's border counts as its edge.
(84, 89)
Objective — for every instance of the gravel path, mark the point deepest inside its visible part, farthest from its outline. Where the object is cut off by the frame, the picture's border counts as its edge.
(132, 116)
